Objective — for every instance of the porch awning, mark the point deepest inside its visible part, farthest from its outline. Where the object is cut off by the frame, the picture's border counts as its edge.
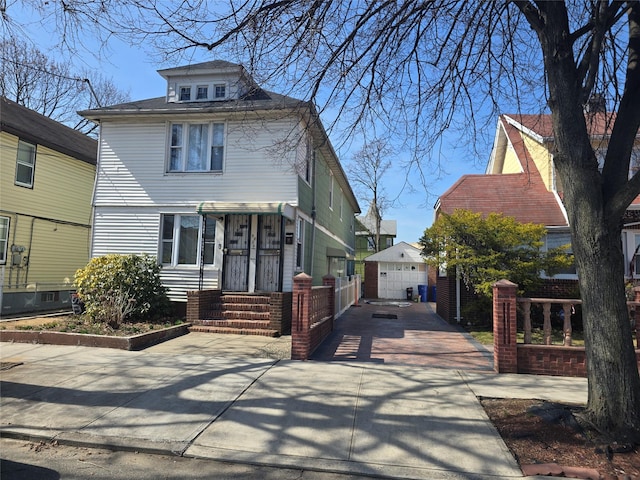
(336, 252)
(247, 208)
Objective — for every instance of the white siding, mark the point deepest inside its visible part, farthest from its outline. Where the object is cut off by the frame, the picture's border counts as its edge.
(181, 280)
(132, 167)
(125, 232)
(137, 231)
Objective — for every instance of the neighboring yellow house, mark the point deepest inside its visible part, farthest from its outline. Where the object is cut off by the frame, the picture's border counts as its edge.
(521, 182)
(47, 172)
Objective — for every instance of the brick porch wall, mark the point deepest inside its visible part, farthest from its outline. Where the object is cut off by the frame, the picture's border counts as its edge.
(512, 357)
(199, 303)
(280, 306)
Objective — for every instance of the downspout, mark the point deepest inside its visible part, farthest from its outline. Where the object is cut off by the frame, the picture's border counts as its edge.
(26, 273)
(283, 224)
(202, 244)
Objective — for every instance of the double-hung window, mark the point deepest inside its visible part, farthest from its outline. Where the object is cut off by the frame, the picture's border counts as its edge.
(25, 164)
(188, 238)
(559, 239)
(202, 92)
(185, 94)
(4, 239)
(196, 147)
(220, 91)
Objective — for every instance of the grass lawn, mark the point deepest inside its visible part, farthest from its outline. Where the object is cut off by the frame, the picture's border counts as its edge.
(485, 336)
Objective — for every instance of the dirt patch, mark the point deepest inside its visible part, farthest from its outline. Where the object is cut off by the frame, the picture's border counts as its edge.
(83, 324)
(546, 439)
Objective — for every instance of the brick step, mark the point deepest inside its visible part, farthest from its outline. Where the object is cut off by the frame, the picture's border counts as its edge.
(245, 315)
(237, 323)
(263, 332)
(247, 307)
(245, 299)
(234, 315)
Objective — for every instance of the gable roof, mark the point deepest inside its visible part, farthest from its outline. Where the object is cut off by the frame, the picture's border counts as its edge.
(36, 128)
(518, 195)
(599, 124)
(401, 252)
(368, 222)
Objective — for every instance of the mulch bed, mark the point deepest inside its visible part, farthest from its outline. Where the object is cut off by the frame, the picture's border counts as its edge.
(546, 439)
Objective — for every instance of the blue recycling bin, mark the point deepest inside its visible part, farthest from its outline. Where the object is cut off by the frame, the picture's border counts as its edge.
(433, 293)
(422, 291)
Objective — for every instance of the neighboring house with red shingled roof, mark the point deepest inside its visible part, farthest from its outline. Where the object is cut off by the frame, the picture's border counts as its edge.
(521, 182)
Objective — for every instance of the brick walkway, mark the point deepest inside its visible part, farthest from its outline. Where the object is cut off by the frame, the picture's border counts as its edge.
(418, 336)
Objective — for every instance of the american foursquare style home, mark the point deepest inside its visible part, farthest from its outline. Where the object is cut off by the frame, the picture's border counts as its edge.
(47, 172)
(520, 181)
(231, 186)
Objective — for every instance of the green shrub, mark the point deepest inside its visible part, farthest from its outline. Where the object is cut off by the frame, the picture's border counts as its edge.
(117, 287)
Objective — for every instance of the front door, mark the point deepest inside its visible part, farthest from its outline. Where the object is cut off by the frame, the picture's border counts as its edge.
(235, 270)
(269, 253)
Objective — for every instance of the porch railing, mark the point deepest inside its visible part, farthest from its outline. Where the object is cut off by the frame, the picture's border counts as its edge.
(568, 309)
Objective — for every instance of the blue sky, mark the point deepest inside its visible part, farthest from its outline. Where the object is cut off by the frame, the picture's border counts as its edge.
(133, 69)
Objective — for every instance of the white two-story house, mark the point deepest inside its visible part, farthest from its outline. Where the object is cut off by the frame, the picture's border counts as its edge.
(231, 186)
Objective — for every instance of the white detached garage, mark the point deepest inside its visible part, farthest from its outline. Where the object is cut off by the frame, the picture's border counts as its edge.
(390, 272)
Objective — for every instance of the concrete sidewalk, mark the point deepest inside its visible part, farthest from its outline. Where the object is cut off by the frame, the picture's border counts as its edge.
(394, 421)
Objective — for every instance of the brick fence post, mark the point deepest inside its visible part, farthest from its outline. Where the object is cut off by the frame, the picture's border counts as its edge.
(505, 350)
(330, 281)
(300, 333)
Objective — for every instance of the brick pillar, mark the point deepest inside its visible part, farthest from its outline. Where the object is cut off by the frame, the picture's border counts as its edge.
(505, 350)
(200, 302)
(330, 281)
(300, 333)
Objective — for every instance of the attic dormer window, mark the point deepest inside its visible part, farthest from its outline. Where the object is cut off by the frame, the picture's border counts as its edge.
(220, 91)
(202, 92)
(185, 94)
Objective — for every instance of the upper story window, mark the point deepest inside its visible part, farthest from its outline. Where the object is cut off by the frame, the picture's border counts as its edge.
(634, 164)
(202, 92)
(185, 94)
(196, 147)
(25, 164)
(4, 239)
(371, 244)
(331, 190)
(220, 91)
(188, 238)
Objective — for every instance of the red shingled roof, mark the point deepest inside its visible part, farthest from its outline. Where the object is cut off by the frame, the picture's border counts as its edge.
(598, 124)
(520, 195)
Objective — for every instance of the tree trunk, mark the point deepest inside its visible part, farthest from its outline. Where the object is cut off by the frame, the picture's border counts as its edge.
(612, 370)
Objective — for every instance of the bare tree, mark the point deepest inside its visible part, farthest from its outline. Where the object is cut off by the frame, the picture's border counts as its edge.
(32, 79)
(367, 167)
(423, 68)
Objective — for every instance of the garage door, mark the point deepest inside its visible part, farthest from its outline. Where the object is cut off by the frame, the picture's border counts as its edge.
(395, 278)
